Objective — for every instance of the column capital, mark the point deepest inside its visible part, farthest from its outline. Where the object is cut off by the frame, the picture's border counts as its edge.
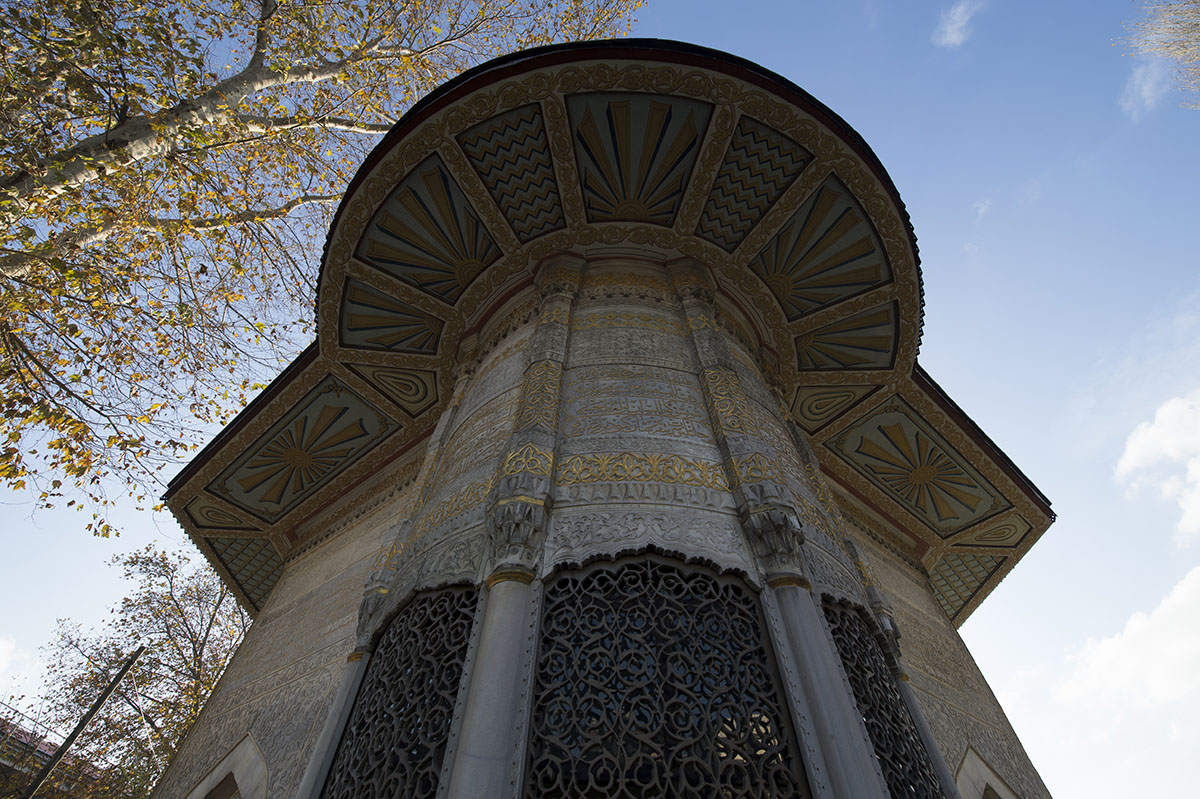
(560, 273)
(776, 536)
(787, 580)
(692, 280)
(517, 524)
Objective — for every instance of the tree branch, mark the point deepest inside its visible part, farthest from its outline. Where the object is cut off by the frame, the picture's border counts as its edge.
(18, 265)
(262, 37)
(265, 124)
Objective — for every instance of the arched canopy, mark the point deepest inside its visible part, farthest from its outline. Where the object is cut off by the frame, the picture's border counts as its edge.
(656, 148)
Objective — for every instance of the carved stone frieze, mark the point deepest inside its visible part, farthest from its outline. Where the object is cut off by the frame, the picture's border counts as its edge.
(641, 467)
(729, 403)
(453, 560)
(579, 537)
(657, 493)
(539, 403)
(692, 281)
(626, 285)
(633, 401)
(829, 575)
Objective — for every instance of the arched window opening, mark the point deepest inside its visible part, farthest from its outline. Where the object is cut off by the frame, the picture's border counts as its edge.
(656, 680)
(395, 739)
(905, 763)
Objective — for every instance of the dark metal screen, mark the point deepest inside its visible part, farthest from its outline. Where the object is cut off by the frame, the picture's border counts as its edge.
(395, 739)
(898, 746)
(655, 680)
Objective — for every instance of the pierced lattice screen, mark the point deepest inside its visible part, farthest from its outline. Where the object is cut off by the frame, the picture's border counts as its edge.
(395, 739)
(656, 680)
(902, 756)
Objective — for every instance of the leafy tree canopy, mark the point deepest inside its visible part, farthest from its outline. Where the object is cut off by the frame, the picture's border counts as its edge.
(190, 624)
(1170, 29)
(167, 173)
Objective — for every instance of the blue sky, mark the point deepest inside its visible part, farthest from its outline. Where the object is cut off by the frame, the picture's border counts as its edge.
(1052, 181)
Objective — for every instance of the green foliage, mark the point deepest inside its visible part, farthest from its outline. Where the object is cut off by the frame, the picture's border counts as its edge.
(168, 169)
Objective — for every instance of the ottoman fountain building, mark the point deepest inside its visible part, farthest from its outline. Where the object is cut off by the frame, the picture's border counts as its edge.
(612, 471)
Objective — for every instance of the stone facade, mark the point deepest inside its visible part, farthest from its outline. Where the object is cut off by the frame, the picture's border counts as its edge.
(612, 467)
(955, 697)
(281, 682)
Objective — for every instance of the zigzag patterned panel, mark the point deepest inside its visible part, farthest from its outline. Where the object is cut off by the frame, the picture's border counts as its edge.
(956, 579)
(512, 157)
(253, 562)
(759, 165)
(427, 234)
(827, 252)
(323, 434)
(635, 153)
(864, 341)
(372, 320)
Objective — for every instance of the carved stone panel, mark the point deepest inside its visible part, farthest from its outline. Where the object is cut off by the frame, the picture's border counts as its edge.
(632, 400)
(580, 537)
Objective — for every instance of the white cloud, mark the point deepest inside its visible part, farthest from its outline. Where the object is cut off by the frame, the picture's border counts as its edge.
(1165, 453)
(16, 667)
(1096, 718)
(982, 209)
(1031, 192)
(1152, 662)
(954, 26)
(1148, 82)
(872, 12)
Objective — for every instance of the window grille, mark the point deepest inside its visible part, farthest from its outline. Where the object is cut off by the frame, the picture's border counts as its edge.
(898, 746)
(395, 739)
(656, 680)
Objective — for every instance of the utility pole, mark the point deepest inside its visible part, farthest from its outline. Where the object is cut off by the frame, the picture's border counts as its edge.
(99, 703)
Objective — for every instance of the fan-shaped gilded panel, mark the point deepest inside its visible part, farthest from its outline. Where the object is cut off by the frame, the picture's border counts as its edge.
(635, 153)
(902, 455)
(207, 514)
(816, 406)
(826, 253)
(760, 163)
(1005, 534)
(323, 434)
(864, 341)
(427, 234)
(373, 320)
(512, 157)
